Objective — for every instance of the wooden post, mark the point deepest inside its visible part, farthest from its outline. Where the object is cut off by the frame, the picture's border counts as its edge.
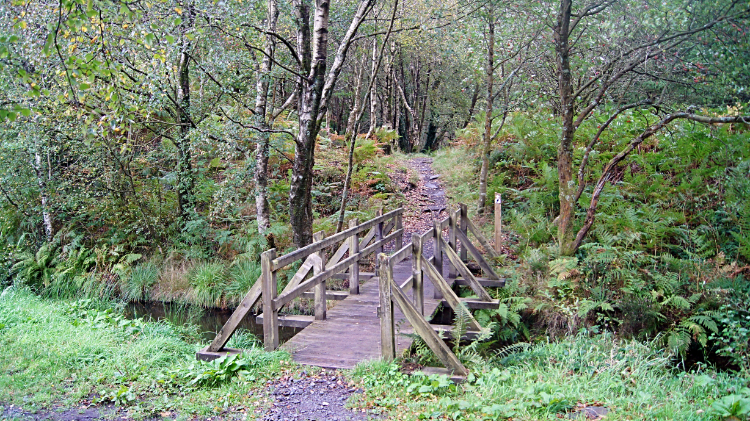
(379, 233)
(438, 254)
(452, 271)
(320, 291)
(417, 285)
(399, 225)
(498, 221)
(354, 268)
(464, 227)
(270, 289)
(385, 311)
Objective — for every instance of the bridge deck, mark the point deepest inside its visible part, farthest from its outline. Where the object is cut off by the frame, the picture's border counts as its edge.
(351, 332)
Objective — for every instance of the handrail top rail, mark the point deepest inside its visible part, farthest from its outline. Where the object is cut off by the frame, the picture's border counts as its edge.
(303, 252)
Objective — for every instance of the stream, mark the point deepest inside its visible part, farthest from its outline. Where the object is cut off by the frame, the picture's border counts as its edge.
(208, 320)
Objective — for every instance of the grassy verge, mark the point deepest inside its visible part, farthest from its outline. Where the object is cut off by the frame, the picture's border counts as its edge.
(73, 352)
(550, 381)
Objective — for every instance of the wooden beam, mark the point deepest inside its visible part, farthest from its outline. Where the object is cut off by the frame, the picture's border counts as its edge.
(449, 295)
(498, 223)
(407, 283)
(399, 227)
(466, 273)
(270, 289)
(425, 330)
(477, 256)
(483, 241)
(239, 313)
(402, 253)
(367, 238)
(385, 311)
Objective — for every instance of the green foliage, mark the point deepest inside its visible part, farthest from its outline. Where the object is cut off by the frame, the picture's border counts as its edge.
(734, 406)
(733, 337)
(243, 273)
(141, 279)
(36, 269)
(209, 281)
(214, 373)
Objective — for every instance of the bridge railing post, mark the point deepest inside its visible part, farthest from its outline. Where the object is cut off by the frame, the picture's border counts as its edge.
(320, 291)
(270, 291)
(379, 233)
(417, 286)
(452, 271)
(464, 227)
(385, 311)
(354, 268)
(438, 254)
(399, 225)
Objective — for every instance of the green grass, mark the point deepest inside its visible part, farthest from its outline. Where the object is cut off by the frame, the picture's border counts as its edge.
(68, 352)
(549, 380)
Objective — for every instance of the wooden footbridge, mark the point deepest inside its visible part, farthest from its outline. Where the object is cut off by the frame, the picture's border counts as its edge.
(364, 323)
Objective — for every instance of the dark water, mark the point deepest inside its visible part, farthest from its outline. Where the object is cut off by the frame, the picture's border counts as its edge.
(210, 321)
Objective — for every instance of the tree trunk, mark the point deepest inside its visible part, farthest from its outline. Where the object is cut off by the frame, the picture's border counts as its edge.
(351, 136)
(41, 180)
(261, 150)
(487, 138)
(568, 189)
(373, 88)
(185, 177)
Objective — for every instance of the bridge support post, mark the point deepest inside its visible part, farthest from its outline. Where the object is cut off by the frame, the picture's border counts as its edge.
(438, 253)
(452, 227)
(354, 268)
(464, 227)
(399, 225)
(385, 311)
(417, 285)
(270, 290)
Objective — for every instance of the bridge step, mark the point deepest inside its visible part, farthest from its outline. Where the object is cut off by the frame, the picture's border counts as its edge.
(440, 370)
(206, 355)
(445, 330)
(363, 276)
(330, 295)
(475, 304)
(290, 320)
(495, 283)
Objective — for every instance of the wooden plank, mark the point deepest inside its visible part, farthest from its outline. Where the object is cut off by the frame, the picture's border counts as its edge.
(270, 289)
(417, 285)
(385, 311)
(330, 295)
(379, 234)
(338, 255)
(315, 280)
(427, 235)
(498, 223)
(425, 331)
(288, 258)
(354, 268)
(484, 282)
(449, 295)
(239, 313)
(466, 273)
(483, 241)
(444, 223)
(388, 227)
(290, 320)
(477, 256)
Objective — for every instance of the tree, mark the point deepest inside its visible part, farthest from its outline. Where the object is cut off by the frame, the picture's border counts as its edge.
(606, 56)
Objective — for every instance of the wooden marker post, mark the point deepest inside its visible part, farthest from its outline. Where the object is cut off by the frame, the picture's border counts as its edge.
(498, 221)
